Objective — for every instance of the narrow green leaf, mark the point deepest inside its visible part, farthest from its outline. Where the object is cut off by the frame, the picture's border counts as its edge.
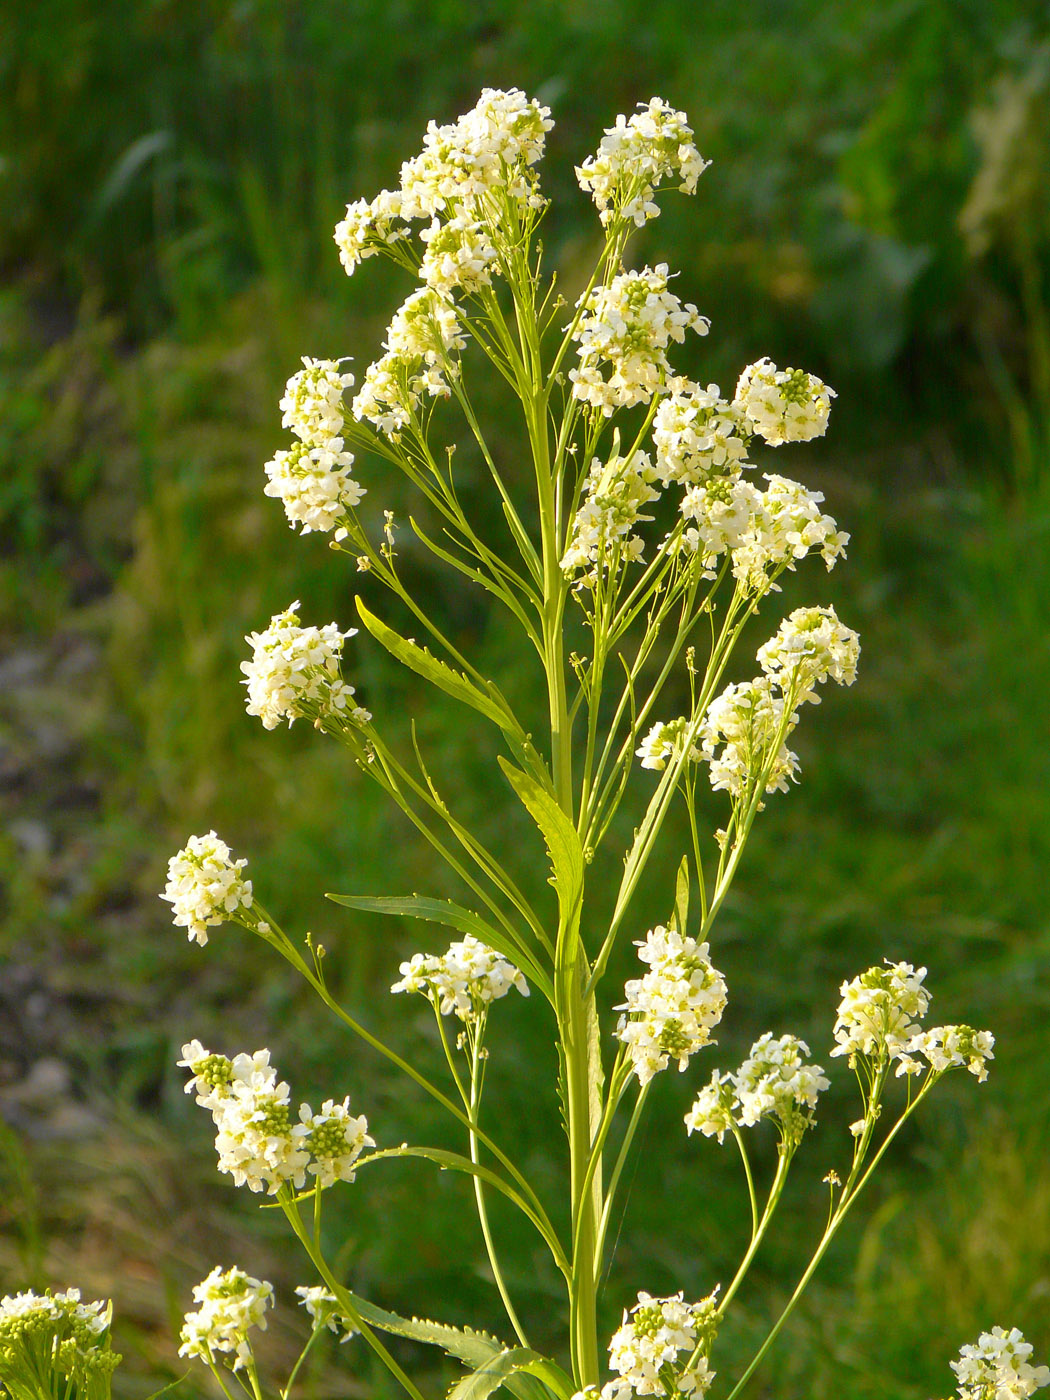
(452, 682)
(466, 1345)
(499, 1370)
(453, 916)
(560, 838)
(681, 897)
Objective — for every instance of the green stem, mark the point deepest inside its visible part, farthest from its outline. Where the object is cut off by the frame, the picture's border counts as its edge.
(845, 1203)
(614, 1179)
(476, 1084)
(345, 1304)
(280, 940)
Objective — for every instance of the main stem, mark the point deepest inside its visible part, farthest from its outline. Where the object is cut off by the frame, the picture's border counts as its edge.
(575, 1005)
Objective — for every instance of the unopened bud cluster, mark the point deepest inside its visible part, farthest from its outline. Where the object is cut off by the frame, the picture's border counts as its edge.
(53, 1344)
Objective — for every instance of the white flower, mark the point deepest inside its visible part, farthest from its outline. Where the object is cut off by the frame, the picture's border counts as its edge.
(644, 1350)
(205, 886)
(785, 405)
(232, 1303)
(627, 327)
(785, 525)
(712, 1112)
(314, 484)
(671, 1011)
(422, 335)
(55, 1345)
(663, 741)
(294, 673)
(490, 148)
(810, 646)
(698, 435)
(635, 156)
(313, 401)
(775, 1081)
(613, 496)
(459, 255)
(335, 1139)
(465, 980)
(749, 722)
(324, 1309)
(879, 1011)
(368, 227)
(256, 1142)
(85, 1322)
(997, 1368)
(948, 1047)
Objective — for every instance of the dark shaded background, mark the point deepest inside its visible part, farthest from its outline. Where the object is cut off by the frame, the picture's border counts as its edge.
(877, 212)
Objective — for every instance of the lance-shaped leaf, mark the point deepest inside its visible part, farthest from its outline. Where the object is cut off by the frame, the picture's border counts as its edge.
(504, 1368)
(487, 702)
(453, 916)
(559, 836)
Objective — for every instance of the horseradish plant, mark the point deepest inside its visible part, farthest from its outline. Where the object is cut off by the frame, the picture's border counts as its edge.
(647, 521)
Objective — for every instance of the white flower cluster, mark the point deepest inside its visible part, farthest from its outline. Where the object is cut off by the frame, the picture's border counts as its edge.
(256, 1140)
(323, 1308)
(880, 1010)
(775, 1081)
(459, 256)
(627, 326)
(465, 980)
(784, 405)
(24, 1311)
(663, 741)
(634, 157)
(744, 739)
(294, 673)
(997, 1367)
(493, 146)
(613, 496)
(314, 485)
(949, 1047)
(646, 1347)
(231, 1304)
(764, 530)
(672, 1009)
(205, 886)
(313, 400)
(810, 646)
(312, 478)
(423, 333)
(744, 734)
(698, 434)
(369, 226)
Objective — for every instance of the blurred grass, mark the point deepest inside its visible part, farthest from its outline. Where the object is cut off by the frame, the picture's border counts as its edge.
(877, 211)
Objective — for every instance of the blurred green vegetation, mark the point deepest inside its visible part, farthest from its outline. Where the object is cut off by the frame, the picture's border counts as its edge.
(878, 212)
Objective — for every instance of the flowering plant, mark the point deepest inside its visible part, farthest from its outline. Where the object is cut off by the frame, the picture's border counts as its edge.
(650, 540)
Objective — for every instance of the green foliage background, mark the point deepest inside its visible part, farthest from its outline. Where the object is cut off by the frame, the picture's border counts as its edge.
(877, 212)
